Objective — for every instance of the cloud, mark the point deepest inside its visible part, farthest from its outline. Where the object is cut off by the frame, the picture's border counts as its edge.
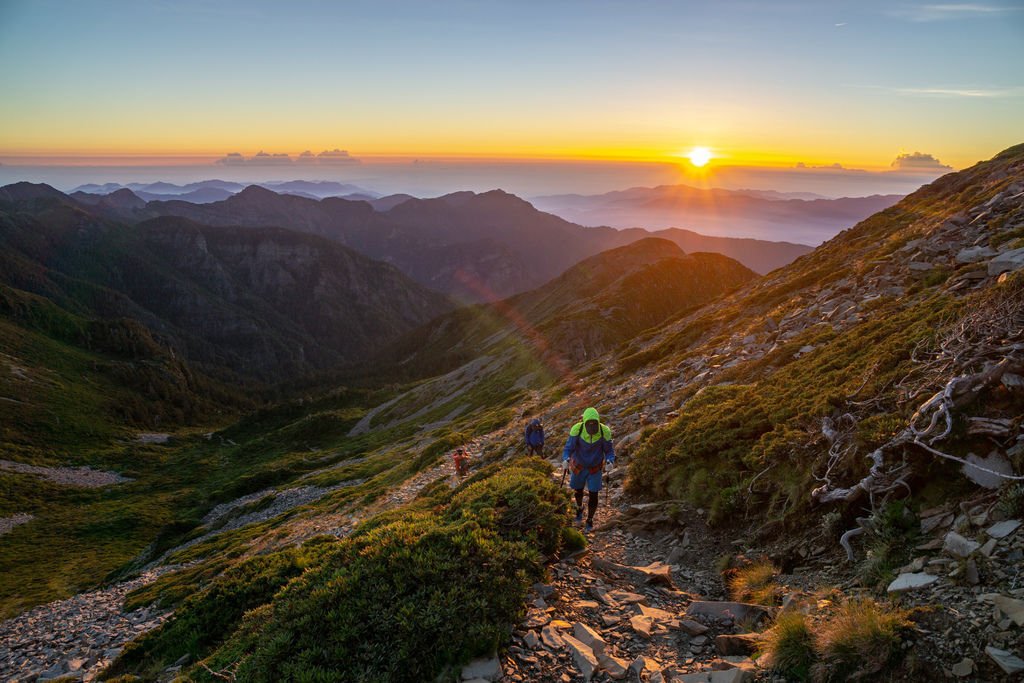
(918, 162)
(261, 158)
(336, 156)
(831, 167)
(948, 11)
(963, 92)
(232, 159)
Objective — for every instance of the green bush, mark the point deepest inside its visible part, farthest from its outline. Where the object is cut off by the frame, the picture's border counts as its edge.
(199, 625)
(520, 503)
(410, 596)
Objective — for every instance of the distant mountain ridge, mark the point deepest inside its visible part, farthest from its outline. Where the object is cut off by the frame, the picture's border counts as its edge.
(203, 191)
(475, 246)
(804, 218)
(262, 302)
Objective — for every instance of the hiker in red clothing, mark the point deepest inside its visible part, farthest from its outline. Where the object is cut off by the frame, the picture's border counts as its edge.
(460, 457)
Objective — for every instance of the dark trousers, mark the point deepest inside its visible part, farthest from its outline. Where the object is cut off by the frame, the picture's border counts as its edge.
(591, 503)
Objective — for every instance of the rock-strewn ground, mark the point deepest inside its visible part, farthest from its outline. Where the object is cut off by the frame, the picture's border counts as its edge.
(76, 637)
(8, 523)
(66, 476)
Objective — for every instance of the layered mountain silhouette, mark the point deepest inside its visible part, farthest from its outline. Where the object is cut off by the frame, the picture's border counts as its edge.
(262, 302)
(803, 218)
(474, 246)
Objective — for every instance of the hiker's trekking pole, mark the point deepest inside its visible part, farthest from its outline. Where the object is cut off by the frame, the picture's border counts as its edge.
(565, 471)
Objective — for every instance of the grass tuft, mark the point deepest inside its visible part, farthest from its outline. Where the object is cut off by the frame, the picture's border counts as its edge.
(788, 647)
(861, 639)
(755, 582)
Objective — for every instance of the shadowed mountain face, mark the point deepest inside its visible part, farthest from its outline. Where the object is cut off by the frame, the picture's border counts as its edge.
(263, 302)
(717, 211)
(476, 247)
(591, 308)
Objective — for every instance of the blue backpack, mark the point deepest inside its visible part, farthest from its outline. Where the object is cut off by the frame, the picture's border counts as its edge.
(535, 433)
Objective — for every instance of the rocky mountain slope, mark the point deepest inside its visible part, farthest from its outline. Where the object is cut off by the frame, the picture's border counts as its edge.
(593, 307)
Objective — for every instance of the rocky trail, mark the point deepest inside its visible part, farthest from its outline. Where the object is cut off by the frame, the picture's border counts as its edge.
(76, 638)
(646, 602)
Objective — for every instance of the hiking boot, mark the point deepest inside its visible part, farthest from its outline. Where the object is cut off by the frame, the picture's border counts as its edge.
(589, 527)
(579, 514)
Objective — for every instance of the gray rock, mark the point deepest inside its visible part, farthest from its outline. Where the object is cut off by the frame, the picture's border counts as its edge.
(737, 611)
(642, 625)
(971, 574)
(906, 582)
(974, 254)
(1011, 607)
(692, 628)
(613, 666)
(964, 668)
(487, 669)
(995, 462)
(1003, 529)
(1007, 661)
(1008, 261)
(957, 545)
(551, 638)
(583, 657)
(589, 637)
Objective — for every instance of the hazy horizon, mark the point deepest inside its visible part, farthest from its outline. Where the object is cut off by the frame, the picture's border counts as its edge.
(525, 177)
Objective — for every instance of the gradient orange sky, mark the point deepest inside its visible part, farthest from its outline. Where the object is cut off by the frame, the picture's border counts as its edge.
(758, 83)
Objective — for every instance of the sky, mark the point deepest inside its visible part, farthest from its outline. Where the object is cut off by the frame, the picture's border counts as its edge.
(156, 83)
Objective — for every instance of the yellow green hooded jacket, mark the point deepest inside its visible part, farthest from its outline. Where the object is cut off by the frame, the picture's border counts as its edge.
(589, 450)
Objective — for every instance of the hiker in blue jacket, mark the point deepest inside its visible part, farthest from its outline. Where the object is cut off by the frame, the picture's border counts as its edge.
(586, 451)
(535, 437)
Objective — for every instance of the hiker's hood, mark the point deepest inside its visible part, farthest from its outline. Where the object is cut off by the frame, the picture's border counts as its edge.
(591, 414)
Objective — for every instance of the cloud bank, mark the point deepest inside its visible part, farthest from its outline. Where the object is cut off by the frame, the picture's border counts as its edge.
(261, 158)
(918, 162)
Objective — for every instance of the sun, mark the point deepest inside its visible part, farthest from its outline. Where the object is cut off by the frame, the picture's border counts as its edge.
(700, 156)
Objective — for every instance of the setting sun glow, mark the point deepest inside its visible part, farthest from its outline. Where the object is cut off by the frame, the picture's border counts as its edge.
(699, 156)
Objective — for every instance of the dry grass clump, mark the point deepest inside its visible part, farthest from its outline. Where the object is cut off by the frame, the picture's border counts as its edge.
(860, 639)
(755, 582)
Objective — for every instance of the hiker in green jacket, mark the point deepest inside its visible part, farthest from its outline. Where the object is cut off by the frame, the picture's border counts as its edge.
(586, 451)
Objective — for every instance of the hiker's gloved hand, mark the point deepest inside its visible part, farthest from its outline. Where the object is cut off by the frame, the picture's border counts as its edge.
(565, 465)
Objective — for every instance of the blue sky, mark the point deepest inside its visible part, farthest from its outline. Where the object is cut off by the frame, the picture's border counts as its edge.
(759, 82)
